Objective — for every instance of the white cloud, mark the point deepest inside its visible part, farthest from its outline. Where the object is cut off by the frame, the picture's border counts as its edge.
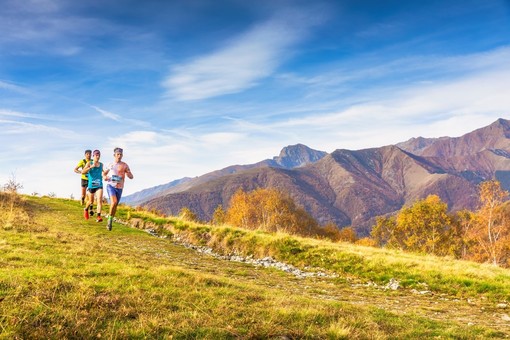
(478, 87)
(10, 113)
(14, 88)
(474, 95)
(48, 26)
(119, 118)
(238, 65)
(220, 138)
(15, 127)
(108, 114)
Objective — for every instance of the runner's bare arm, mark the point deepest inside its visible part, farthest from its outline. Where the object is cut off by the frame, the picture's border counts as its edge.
(129, 173)
(86, 168)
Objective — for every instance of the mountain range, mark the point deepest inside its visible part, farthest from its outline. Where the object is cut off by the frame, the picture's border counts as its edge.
(351, 188)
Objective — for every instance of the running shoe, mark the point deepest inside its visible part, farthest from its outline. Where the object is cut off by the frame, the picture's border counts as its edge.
(86, 214)
(99, 219)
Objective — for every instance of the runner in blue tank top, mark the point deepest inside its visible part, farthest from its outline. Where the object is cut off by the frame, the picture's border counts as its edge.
(94, 169)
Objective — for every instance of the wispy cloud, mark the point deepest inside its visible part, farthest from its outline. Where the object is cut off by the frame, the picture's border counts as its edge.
(10, 127)
(218, 139)
(471, 93)
(12, 87)
(10, 113)
(118, 118)
(28, 116)
(241, 63)
(40, 26)
(107, 114)
(480, 92)
(51, 27)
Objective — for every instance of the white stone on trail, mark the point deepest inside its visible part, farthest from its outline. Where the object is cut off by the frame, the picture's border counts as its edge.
(394, 284)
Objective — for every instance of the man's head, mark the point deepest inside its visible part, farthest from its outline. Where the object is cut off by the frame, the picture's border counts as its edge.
(88, 153)
(96, 154)
(117, 153)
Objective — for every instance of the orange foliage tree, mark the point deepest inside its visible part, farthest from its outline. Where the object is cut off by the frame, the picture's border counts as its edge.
(334, 233)
(240, 211)
(269, 210)
(491, 230)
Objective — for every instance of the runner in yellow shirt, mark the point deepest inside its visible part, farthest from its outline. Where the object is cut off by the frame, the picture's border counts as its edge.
(84, 177)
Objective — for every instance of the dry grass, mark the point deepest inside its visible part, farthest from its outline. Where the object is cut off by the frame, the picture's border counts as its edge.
(77, 280)
(442, 275)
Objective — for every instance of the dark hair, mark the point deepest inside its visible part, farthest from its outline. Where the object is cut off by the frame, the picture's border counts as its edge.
(88, 151)
(119, 150)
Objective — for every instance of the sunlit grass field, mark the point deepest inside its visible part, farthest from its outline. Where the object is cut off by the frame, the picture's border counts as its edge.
(462, 279)
(64, 277)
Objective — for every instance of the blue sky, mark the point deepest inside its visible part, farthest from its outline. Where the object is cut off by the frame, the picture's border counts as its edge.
(188, 87)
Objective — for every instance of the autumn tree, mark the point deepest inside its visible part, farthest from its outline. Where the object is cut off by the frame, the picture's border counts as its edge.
(463, 222)
(219, 215)
(424, 227)
(382, 232)
(491, 231)
(269, 210)
(240, 211)
(427, 227)
(188, 215)
(331, 231)
(348, 234)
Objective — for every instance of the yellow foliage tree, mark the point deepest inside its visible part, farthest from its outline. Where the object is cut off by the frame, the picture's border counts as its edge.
(188, 215)
(269, 210)
(383, 230)
(463, 222)
(491, 231)
(423, 227)
(239, 211)
(426, 226)
(219, 215)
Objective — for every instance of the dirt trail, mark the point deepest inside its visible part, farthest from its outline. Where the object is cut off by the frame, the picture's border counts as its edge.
(432, 306)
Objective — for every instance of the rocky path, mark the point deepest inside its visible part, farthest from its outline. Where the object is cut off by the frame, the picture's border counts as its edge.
(323, 286)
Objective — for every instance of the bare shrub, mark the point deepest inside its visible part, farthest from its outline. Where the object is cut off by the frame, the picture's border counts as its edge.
(13, 209)
(12, 186)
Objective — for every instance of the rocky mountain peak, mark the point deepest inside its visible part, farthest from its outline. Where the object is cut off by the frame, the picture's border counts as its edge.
(416, 144)
(294, 156)
(502, 125)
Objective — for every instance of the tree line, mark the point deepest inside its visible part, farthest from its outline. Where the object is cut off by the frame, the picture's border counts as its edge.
(426, 226)
(270, 210)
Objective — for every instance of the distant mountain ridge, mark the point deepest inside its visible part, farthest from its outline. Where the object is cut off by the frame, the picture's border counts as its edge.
(290, 157)
(145, 194)
(353, 187)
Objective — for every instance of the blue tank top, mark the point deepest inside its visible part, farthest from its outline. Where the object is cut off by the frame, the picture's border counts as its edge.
(96, 176)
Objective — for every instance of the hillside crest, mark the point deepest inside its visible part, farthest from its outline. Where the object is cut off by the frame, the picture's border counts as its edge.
(352, 187)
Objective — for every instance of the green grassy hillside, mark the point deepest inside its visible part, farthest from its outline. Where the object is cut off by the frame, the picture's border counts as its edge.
(64, 277)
